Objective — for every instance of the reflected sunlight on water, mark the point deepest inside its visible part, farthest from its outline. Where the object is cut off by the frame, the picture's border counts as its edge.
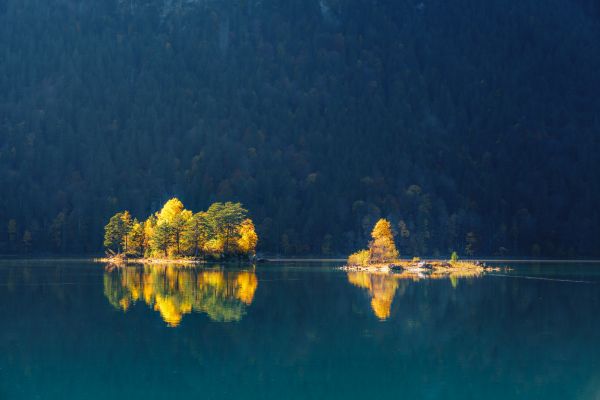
(174, 291)
(382, 287)
(77, 330)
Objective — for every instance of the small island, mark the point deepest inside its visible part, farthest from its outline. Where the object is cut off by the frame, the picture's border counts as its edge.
(175, 235)
(382, 256)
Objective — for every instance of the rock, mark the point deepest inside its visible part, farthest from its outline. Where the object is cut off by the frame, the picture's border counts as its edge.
(424, 265)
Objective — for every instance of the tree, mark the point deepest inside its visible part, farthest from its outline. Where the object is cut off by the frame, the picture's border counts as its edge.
(178, 226)
(127, 224)
(115, 232)
(161, 240)
(174, 214)
(50, 158)
(175, 231)
(225, 219)
(197, 232)
(170, 209)
(454, 257)
(137, 238)
(382, 248)
(149, 226)
(248, 238)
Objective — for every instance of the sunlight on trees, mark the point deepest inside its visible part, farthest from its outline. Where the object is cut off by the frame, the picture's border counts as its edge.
(224, 230)
(360, 258)
(382, 248)
(382, 287)
(248, 237)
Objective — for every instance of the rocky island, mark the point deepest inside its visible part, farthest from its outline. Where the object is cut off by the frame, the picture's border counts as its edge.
(383, 257)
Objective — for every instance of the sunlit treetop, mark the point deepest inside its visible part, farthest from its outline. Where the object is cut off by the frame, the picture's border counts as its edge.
(224, 230)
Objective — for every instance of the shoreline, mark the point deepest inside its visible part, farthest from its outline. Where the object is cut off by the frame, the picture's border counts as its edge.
(424, 268)
(147, 261)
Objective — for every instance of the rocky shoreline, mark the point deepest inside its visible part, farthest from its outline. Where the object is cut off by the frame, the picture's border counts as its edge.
(425, 268)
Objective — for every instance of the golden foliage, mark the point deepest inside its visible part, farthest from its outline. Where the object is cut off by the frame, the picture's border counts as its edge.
(223, 230)
(360, 258)
(382, 229)
(170, 210)
(248, 237)
(382, 247)
(214, 247)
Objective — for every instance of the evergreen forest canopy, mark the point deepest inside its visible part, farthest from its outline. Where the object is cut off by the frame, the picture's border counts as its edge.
(470, 125)
(222, 231)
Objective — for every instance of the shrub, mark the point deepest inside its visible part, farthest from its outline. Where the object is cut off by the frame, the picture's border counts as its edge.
(454, 257)
(360, 258)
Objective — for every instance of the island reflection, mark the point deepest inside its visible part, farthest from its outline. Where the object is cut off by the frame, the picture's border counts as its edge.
(382, 287)
(174, 291)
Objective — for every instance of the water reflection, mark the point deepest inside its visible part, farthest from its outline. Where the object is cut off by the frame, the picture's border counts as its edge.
(175, 291)
(382, 287)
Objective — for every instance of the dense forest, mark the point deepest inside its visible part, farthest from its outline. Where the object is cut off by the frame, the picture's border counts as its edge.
(470, 125)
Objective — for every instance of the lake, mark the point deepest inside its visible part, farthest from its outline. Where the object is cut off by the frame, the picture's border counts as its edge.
(75, 330)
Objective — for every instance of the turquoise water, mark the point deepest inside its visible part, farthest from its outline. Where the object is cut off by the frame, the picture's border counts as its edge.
(73, 330)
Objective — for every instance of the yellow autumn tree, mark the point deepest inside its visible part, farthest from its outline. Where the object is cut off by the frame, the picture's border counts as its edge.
(248, 238)
(176, 217)
(170, 209)
(136, 238)
(214, 247)
(382, 248)
(149, 225)
(127, 224)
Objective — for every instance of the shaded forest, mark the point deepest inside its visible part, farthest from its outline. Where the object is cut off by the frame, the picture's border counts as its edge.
(470, 125)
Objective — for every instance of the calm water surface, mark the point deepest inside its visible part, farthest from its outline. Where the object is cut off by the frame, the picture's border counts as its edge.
(73, 330)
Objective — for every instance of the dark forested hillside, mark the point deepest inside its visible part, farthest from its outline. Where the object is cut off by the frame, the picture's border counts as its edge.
(472, 125)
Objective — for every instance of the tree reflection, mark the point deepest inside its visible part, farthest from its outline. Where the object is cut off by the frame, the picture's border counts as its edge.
(174, 291)
(382, 287)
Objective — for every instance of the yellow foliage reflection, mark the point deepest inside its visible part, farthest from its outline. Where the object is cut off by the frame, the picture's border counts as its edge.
(382, 287)
(174, 291)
